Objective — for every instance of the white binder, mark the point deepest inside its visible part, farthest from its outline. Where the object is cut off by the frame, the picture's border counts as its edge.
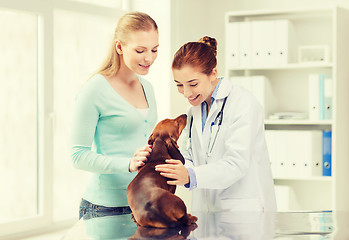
(243, 81)
(245, 44)
(305, 153)
(261, 88)
(328, 97)
(286, 198)
(276, 154)
(232, 45)
(268, 51)
(259, 43)
(282, 148)
(259, 84)
(283, 39)
(295, 154)
(262, 43)
(258, 40)
(312, 153)
(271, 145)
(314, 97)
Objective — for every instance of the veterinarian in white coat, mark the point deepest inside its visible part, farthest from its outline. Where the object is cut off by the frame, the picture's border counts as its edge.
(227, 164)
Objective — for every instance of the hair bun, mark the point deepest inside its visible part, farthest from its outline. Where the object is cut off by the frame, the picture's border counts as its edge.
(211, 42)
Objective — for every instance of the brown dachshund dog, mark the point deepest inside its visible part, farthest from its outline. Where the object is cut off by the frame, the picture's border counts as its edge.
(151, 199)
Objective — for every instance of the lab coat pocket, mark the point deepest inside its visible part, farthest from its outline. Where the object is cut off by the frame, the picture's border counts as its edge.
(240, 204)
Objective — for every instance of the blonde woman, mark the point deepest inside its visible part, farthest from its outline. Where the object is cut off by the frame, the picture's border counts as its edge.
(115, 112)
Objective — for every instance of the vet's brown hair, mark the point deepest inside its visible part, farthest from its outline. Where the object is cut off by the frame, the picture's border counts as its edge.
(200, 54)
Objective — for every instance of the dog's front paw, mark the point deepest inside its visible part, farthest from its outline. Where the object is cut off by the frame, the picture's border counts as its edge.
(191, 219)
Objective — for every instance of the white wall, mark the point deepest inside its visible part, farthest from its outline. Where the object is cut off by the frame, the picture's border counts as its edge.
(159, 74)
(188, 23)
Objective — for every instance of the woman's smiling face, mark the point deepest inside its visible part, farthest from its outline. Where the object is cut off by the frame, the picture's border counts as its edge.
(140, 51)
(196, 86)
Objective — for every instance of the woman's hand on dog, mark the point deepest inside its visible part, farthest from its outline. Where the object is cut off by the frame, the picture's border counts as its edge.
(174, 169)
(139, 158)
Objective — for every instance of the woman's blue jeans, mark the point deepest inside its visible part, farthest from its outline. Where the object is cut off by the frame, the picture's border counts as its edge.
(89, 210)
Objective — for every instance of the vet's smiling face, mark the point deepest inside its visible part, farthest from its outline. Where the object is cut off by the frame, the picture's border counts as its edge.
(196, 86)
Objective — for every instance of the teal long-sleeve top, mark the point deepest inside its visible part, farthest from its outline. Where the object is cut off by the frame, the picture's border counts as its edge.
(106, 132)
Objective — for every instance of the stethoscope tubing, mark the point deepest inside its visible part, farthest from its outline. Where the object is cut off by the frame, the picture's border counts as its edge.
(218, 119)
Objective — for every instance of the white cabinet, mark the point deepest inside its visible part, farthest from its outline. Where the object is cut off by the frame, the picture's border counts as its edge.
(288, 48)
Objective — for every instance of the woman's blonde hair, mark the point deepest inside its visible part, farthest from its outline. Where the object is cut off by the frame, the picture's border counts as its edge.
(128, 23)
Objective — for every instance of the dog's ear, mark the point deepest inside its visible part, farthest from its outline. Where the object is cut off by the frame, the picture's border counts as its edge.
(173, 150)
(171, 143)
(182, 122)
(151, 139)
(174, 142)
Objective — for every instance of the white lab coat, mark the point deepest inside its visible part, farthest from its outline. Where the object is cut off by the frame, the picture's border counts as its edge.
(236, 175)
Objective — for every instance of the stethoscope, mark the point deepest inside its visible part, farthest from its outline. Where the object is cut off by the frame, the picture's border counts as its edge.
(214, 127)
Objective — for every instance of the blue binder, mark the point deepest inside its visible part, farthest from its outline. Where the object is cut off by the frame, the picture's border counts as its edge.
(327, 153)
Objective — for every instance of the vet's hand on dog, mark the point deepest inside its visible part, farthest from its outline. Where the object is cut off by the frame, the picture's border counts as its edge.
(139, 158)
(174, 169)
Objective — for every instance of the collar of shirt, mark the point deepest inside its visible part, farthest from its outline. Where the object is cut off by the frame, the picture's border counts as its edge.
(204, 104)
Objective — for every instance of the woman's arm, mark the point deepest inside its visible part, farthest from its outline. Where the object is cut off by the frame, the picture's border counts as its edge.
(85, 119)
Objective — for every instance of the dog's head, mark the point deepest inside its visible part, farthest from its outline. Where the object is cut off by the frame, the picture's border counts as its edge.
(169, 130)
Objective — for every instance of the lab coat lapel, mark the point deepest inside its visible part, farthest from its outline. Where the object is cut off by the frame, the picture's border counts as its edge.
(223, 91)
(197, 125)
(207, 130)
(212, 114)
